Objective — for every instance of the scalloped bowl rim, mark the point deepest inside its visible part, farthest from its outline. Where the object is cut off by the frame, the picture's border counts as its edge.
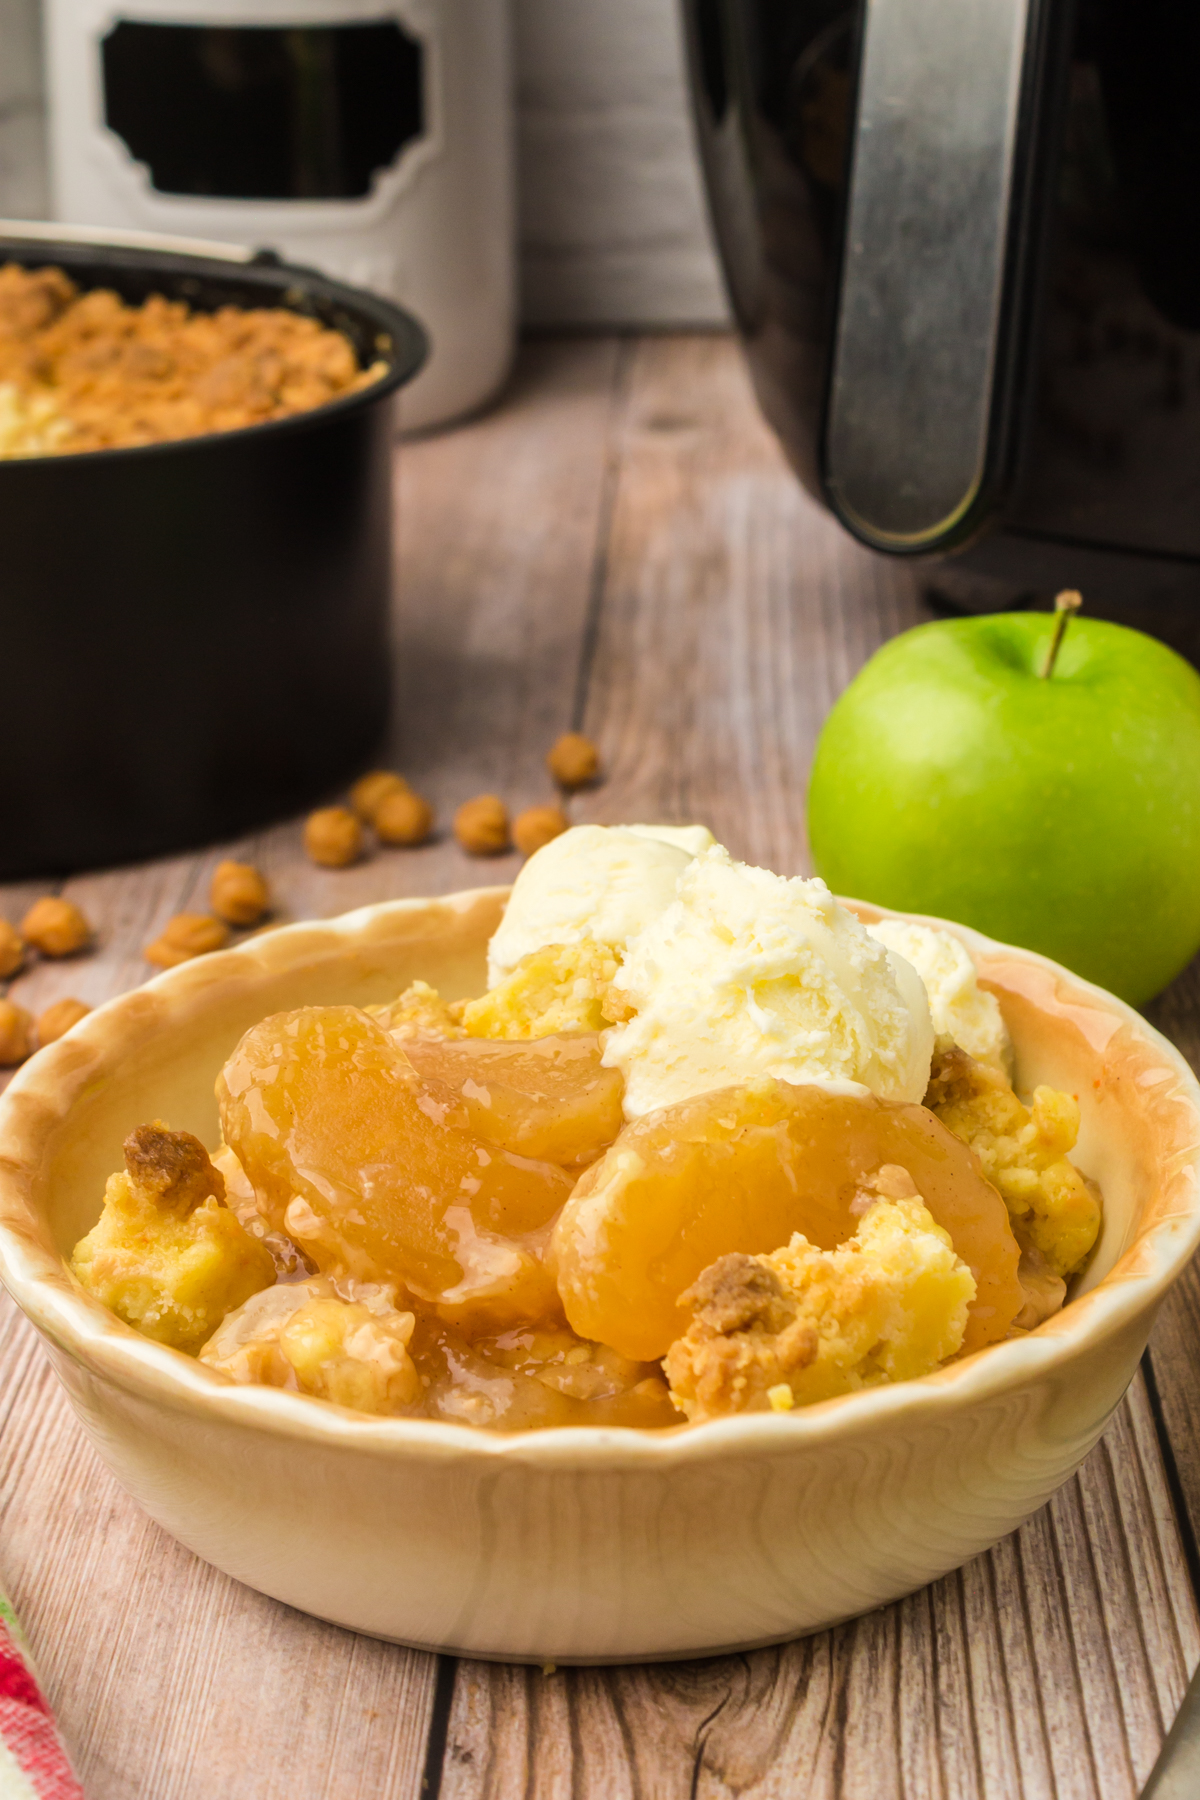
(78, 1324)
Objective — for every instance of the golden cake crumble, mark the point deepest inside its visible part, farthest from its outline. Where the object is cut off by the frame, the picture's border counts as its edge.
(1023, 1150)
(167, 1255)
(87, 371)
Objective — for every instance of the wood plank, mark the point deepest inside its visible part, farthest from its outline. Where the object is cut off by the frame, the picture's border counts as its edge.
(1175, 1343)
(1175, 1359)
(614, 229)
(499, 525)
(734, 611)
(169, 1680)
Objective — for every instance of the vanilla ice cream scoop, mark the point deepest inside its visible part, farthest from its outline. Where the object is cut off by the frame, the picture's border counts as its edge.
(695, 839)
(961, 1009)
(594, 881)
(746, 973)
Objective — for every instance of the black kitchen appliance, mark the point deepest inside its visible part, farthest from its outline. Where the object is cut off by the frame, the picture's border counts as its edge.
(196, 632)
(962, 242)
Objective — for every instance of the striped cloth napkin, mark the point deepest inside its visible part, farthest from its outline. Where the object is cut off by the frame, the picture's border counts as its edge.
(33, 1763)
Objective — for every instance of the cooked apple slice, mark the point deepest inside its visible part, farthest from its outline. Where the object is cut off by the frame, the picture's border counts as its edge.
(743, 1168)
(351, 1155)
(549, 1098)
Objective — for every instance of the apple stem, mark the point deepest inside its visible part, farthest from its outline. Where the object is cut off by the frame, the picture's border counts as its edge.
(1066, 603)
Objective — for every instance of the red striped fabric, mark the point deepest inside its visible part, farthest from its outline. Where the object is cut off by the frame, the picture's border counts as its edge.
(27, 1731)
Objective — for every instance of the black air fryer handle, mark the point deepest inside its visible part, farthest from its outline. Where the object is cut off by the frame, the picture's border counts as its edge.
(934, 296)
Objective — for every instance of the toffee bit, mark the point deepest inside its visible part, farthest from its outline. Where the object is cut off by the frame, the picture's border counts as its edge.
(402, 817)
(185, 936)
(481, 826)
(16, 1041)
(58, 1019)
(171, 1167)
(574, 760)
(538, 826)
(333, 837)
(238, 894)
(55, 926)
(370, 791)
(12, 950)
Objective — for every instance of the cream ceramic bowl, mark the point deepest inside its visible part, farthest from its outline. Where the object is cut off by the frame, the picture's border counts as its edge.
(579, 1545)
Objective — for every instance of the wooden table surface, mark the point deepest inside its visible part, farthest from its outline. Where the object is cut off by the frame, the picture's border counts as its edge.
(620, 547)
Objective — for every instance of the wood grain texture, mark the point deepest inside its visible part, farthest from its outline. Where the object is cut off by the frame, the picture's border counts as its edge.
(1174, 1354)
(1051, 1666)
(732, 613)
(622, 547)
(613, 224)
(499, 528)
(23, 184)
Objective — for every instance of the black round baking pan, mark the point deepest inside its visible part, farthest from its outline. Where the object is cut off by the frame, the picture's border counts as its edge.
(194, 635)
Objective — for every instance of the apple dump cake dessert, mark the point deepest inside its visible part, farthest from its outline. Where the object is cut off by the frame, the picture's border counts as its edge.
(85, 371)
(706, 1145)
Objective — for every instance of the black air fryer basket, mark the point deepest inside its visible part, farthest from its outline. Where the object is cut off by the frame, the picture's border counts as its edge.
(195, 634)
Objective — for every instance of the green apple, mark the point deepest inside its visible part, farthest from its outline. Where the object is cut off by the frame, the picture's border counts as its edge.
(1061, 812)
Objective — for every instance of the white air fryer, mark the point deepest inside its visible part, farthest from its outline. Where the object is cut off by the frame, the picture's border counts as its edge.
(368, 138)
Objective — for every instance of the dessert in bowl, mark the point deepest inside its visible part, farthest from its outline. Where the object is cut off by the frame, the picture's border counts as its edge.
(720, 1500)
